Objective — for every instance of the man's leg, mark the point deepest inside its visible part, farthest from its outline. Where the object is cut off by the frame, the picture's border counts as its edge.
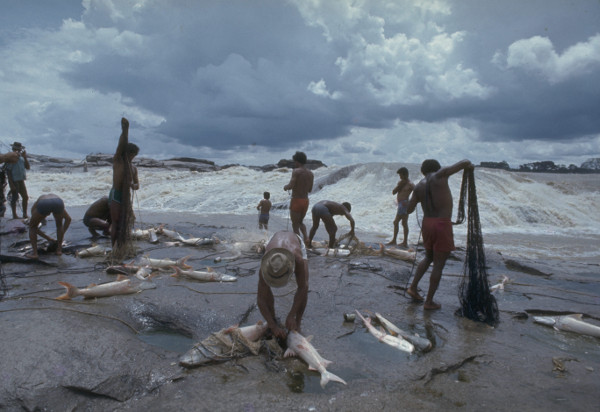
(313, 230)
(439, 261)
(24, 198)
(331, 229)
(413, 290)
(405, 229)
(396, 221)
(115, 213)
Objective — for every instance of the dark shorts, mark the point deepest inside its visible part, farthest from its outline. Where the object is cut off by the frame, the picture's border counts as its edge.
(299, 205)
(50, 205)
(320, 210)
(402, 207)
(437, 234)
(263, 218)
(86, 220)
(115, 196)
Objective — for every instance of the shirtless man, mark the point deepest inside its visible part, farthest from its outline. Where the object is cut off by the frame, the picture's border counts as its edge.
(325, 210)
(284, 254)
(98, 217)
(42, 208)
(301, 185)
(435, 197)
(121, 168)
(402, 191)
(10, 157)
(264, 206)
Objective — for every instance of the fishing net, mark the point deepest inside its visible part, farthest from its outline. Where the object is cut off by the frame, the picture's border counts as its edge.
(477, 303)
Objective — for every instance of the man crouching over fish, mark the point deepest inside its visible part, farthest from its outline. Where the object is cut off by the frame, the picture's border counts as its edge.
(284, 254)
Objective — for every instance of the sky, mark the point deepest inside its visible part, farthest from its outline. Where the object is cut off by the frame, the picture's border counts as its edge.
(345, 81)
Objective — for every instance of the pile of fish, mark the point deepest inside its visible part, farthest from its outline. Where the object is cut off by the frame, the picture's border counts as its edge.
(228, 343)
(395, 337)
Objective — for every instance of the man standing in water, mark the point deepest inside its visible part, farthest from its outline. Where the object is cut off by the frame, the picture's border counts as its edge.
(284, 254)
(402, 191)
(124, 178)
(435, 197)
(325, 210)
(301, 185)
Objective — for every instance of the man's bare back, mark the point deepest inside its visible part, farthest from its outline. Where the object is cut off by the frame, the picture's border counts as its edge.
(301, 183)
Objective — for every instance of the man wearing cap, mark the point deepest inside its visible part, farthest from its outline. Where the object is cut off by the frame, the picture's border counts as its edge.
(16, 179)
(284, 254)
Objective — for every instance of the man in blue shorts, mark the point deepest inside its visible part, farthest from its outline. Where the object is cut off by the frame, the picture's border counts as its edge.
(43, 207)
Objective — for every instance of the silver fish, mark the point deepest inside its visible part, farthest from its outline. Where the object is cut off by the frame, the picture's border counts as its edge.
(300, 346)
(165, 263)
(500, 286)
(420, 343)
(209, 276)
(96, 250)
(570, 323)
(407, 255)
(393, 341)
(122, 286)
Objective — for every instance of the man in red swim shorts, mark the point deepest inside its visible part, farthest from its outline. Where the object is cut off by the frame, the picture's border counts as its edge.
(301, 185)
(435, 197)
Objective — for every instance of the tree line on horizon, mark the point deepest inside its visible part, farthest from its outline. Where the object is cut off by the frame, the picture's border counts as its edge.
(547, 166)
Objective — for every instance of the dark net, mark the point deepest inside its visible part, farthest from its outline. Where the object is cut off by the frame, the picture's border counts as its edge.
(124, 247)
(477, 303)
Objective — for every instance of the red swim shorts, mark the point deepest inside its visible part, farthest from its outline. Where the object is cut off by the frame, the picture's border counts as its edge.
(437, 234)
(299, 205)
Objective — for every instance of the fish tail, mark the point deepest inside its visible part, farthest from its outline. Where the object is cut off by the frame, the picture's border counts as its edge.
(71, 291)
(328, 376)
(177, 271)
(181, 262)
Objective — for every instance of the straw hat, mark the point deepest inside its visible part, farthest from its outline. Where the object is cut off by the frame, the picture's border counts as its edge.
(276, 266)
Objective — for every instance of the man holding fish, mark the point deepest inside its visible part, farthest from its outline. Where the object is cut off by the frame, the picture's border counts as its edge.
(285, 254)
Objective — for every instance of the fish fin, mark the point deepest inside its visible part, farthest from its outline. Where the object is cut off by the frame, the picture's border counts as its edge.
(231, 328)
(289, 352)
(328, 376)
(209, 269)
(310, 368)
(309, 338)
(577, 316)
(326, 362)
(121, 277)
(71, 291)
(91, 285)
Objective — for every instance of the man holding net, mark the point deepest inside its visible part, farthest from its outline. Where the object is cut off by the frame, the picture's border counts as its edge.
(433, 192)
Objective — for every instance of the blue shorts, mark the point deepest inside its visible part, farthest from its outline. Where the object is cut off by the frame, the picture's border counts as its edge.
(50, 205)
(263, 218)
(115, 196)
(402, 207)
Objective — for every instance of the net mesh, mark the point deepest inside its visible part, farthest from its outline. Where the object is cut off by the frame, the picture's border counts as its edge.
(477, 303)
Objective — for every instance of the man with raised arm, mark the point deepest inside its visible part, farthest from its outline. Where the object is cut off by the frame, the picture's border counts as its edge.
(435, 197)
(402, 191)
(301, 185)
(124, 178)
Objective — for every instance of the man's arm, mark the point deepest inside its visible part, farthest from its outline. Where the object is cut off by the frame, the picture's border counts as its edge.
(136, 182)
(265, 301)
(412, 202)
(26, 162)
(293, 319)
(351, 220)
(456, 167)
(292, 182)
(123, 139)
(399, 187)
(10, 157)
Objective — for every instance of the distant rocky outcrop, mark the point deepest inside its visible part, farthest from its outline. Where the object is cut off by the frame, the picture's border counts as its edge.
(548, 166)
(591, 164)
(495, 165)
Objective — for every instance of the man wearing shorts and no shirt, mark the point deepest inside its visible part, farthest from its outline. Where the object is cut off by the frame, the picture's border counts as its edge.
(301, 185)
(435, 197)
(325, 210)
(402, 191)
(43, 207)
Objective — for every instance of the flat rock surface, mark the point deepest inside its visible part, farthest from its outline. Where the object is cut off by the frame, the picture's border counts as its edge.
(105, 354)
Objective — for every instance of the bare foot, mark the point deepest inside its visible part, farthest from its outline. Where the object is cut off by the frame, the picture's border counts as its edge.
(403, 244)
(391, 243)
(32, 256)
(414, 295)
(432, 306)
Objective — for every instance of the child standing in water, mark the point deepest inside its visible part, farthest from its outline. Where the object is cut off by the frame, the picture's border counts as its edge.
(264, 206)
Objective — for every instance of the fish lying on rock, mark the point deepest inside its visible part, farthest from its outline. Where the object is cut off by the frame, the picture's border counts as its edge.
(165, 263)
(96, 250)
(393, 341)
(122, 286)
(300, 346)
(208, 276)
(570, 323)
(226, 344)
(420, 343)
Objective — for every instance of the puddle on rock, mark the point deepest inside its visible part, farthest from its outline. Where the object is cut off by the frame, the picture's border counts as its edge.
(165, 339)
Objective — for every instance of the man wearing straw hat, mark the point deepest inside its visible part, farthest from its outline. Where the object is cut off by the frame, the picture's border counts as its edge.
(284, 254)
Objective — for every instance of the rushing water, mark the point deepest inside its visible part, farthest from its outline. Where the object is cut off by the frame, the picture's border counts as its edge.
(535, 215)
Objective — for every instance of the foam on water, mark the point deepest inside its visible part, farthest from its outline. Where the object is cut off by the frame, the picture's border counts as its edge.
(509, 202)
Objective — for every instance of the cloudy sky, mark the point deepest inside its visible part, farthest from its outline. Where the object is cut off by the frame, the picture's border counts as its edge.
(346, 81)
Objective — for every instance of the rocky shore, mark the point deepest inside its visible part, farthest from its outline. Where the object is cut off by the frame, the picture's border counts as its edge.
(122, 352)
